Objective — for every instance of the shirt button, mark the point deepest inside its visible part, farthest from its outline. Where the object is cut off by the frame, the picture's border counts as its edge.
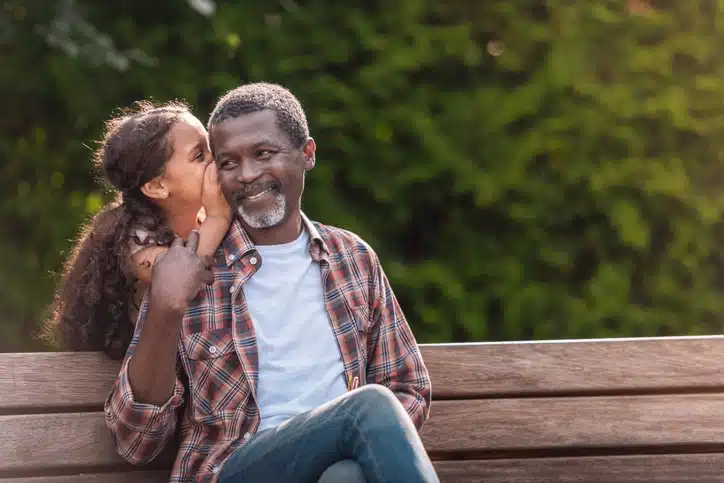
(215, 469)
(231, 290)
(253, 260)
(247, 436)
(212, 349)
(232, 257)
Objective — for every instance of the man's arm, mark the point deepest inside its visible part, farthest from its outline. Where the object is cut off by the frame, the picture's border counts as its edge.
(141, 416)
(394, 359)
(141, 408)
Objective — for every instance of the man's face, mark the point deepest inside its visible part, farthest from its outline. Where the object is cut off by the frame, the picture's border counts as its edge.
(260, 171)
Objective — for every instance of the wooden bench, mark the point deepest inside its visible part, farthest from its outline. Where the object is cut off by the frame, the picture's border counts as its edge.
(618, 410)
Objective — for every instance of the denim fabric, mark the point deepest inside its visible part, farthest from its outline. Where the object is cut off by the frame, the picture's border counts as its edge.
(368, 426)
(345, 471)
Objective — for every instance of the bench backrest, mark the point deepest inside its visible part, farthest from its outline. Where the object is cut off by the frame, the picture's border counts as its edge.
(613, 410)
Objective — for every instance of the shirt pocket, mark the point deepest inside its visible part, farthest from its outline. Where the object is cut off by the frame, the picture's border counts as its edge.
(216, 372)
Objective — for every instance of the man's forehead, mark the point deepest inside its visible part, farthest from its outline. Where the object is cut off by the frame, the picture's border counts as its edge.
(246, 129)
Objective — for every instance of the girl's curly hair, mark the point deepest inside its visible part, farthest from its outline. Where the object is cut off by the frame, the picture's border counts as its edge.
(92, 305)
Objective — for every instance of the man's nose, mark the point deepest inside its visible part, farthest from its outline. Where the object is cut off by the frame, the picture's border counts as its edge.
(248, 172)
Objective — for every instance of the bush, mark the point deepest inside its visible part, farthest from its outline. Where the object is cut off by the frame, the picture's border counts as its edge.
(525, 170)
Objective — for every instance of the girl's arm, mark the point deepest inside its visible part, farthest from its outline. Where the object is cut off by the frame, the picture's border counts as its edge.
(217, 213)
(211, 232)
(143, 261)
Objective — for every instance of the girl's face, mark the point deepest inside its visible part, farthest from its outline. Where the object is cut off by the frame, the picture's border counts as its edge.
(184, 171)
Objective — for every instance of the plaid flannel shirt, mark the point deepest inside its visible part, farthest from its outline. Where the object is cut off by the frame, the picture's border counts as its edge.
(213, 406)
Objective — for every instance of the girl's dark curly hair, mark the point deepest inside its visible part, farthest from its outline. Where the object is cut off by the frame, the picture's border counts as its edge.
(92, 305)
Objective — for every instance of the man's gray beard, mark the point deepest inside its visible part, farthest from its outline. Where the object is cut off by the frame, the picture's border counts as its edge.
(269, 218)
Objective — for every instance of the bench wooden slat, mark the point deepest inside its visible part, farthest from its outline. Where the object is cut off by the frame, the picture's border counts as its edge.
(82, 440)
(32, 382)
(125, 477)
(44, 442)
(55, 440)
(55, 380)
(581, 366)
(612, 469)
(666, 468)
(562, 423)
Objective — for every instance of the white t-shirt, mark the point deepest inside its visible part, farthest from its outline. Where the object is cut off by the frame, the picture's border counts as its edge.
(300, 364)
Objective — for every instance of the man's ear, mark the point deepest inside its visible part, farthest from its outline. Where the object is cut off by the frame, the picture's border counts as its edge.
(155, 189)
(309, 148)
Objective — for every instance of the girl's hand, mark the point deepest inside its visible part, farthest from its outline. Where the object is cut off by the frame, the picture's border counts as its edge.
(212, 197)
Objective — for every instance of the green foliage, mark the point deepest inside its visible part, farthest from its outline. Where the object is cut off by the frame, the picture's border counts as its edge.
(525, 170)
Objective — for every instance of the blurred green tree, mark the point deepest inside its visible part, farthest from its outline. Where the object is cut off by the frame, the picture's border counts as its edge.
(525, 169)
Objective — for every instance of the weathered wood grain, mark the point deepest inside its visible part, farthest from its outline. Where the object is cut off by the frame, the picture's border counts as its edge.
(666, 468)
(581, 422)
(43, 442)
(568, 367)
(33, 382)
(517, 403)
(160, 476)
(492, 426)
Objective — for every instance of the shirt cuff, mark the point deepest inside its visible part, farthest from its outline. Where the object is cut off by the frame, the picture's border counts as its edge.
(143, 416)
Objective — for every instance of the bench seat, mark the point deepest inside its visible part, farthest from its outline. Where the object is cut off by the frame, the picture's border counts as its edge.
(613, 410)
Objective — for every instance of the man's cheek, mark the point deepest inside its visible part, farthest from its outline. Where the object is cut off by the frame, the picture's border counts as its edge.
(228, 190)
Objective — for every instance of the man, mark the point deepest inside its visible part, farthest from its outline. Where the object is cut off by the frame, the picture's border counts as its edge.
(297, 362)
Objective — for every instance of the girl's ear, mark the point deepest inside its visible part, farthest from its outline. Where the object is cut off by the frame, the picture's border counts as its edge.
(155, 189)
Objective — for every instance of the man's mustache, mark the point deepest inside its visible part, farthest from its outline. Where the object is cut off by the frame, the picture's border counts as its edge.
(252, 189)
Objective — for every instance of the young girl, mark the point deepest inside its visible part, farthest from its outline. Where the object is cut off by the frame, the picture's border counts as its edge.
(158, 160)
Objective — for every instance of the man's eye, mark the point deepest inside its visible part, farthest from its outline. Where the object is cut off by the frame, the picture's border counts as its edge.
(263, 152)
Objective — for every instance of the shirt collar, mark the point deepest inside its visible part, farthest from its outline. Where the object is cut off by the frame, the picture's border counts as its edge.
(237, 244)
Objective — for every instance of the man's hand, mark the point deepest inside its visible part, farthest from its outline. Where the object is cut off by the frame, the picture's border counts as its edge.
(179, 275)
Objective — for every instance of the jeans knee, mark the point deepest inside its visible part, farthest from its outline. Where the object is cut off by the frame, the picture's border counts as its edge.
(376, 394)
(345, 471)
(378, 400)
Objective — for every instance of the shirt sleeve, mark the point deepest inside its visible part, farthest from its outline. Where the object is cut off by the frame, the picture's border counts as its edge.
(141, 430)
(394, 358)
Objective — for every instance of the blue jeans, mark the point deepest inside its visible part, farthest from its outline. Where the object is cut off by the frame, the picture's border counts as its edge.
(345, 471)
(368, 426)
